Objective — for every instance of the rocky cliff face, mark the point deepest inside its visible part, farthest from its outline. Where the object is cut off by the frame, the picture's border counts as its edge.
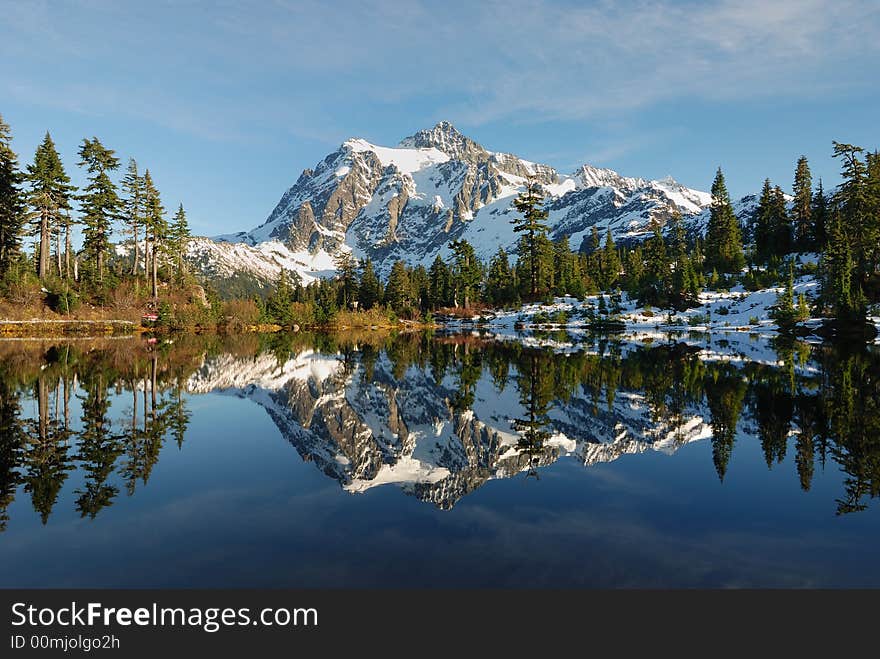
(410, 201)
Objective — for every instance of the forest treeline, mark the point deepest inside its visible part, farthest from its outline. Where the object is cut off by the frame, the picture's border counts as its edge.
(668, 270)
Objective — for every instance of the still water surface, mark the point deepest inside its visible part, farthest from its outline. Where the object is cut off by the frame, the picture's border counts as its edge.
(417, 460)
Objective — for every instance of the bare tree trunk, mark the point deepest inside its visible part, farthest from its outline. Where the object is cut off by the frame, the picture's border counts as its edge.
(134, 267)
(101, 265)
(155, 270)
(45, 241)
(58, 251)
(67, 248)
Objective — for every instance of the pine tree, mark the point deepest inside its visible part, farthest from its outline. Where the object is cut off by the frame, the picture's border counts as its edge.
(819, 214)
(685, 286)
(178, 238)
(370, 288)
(532, 245)
(723, 249)
(133, 208)
(11, 201)
(279, 302)
(48, 197)
(837, 268)
(440, 292)
(398, 290)
(654, 286)
(100, 203)
(156, 231)
(609, 265)
(782, 239)
(634, 268)
(346, 275)
(467, 273)
(804, 231)
(500, 281)
(851, 201)
(764, 229)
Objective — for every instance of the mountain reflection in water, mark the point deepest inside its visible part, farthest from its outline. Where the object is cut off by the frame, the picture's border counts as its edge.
(437, 416)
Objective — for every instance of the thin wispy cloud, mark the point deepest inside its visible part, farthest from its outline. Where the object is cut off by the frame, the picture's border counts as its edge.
(521, 61)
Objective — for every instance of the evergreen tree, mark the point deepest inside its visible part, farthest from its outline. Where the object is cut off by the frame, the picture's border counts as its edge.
(11, 201)
(764, 230)
(685, 285)
(851, 201)
(563, 266)
(420, 284)
(48, 197)
(532, 245)
(279, 302)
(467, 273)
(346, 269)
(398, 290)
(802, 216)
(654, 286)
(369, 288)
(156, 227)
(634, 268)
(101, 205)
(782, 239)
(723, 249)
(500, 281)
(133, 208)
(440, 289)
(837, 275)
(609, 267)
(819, 213)
(178, 239)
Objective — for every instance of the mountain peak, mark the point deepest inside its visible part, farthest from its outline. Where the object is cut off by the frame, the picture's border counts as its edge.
(444, 137)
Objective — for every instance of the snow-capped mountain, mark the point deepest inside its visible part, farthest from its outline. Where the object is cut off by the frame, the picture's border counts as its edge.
(367, 426)
(410, 201)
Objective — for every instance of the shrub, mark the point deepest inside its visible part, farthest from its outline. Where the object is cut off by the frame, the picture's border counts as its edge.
(560, 317)
(240, 312)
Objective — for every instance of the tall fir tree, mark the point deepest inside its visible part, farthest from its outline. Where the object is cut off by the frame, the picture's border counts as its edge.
(133, 208)
(48, 197)
(802, 210)
(398, 291)
(532, 245)
(467, 273)
(346, 274)
(851, 201)
(11, 201)
(782, 238)
(156, 232)
(723, 248)
(100, 203)
(819, 213)
(501, 281)
(369, 288)
(179, 236)
(609, 265)
(440, 288)
(764, 230)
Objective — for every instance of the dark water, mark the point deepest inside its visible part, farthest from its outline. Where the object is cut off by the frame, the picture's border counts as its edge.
(438, 461)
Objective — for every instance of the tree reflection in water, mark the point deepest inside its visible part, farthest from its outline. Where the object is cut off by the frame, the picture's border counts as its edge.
(106, 409)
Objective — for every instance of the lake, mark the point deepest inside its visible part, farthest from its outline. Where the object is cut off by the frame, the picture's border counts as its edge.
(439, 460)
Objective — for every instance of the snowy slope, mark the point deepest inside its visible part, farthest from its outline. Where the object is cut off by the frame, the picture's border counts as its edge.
(410, 201)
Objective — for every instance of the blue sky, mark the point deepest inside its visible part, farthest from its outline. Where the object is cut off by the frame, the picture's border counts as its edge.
(227, 102)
